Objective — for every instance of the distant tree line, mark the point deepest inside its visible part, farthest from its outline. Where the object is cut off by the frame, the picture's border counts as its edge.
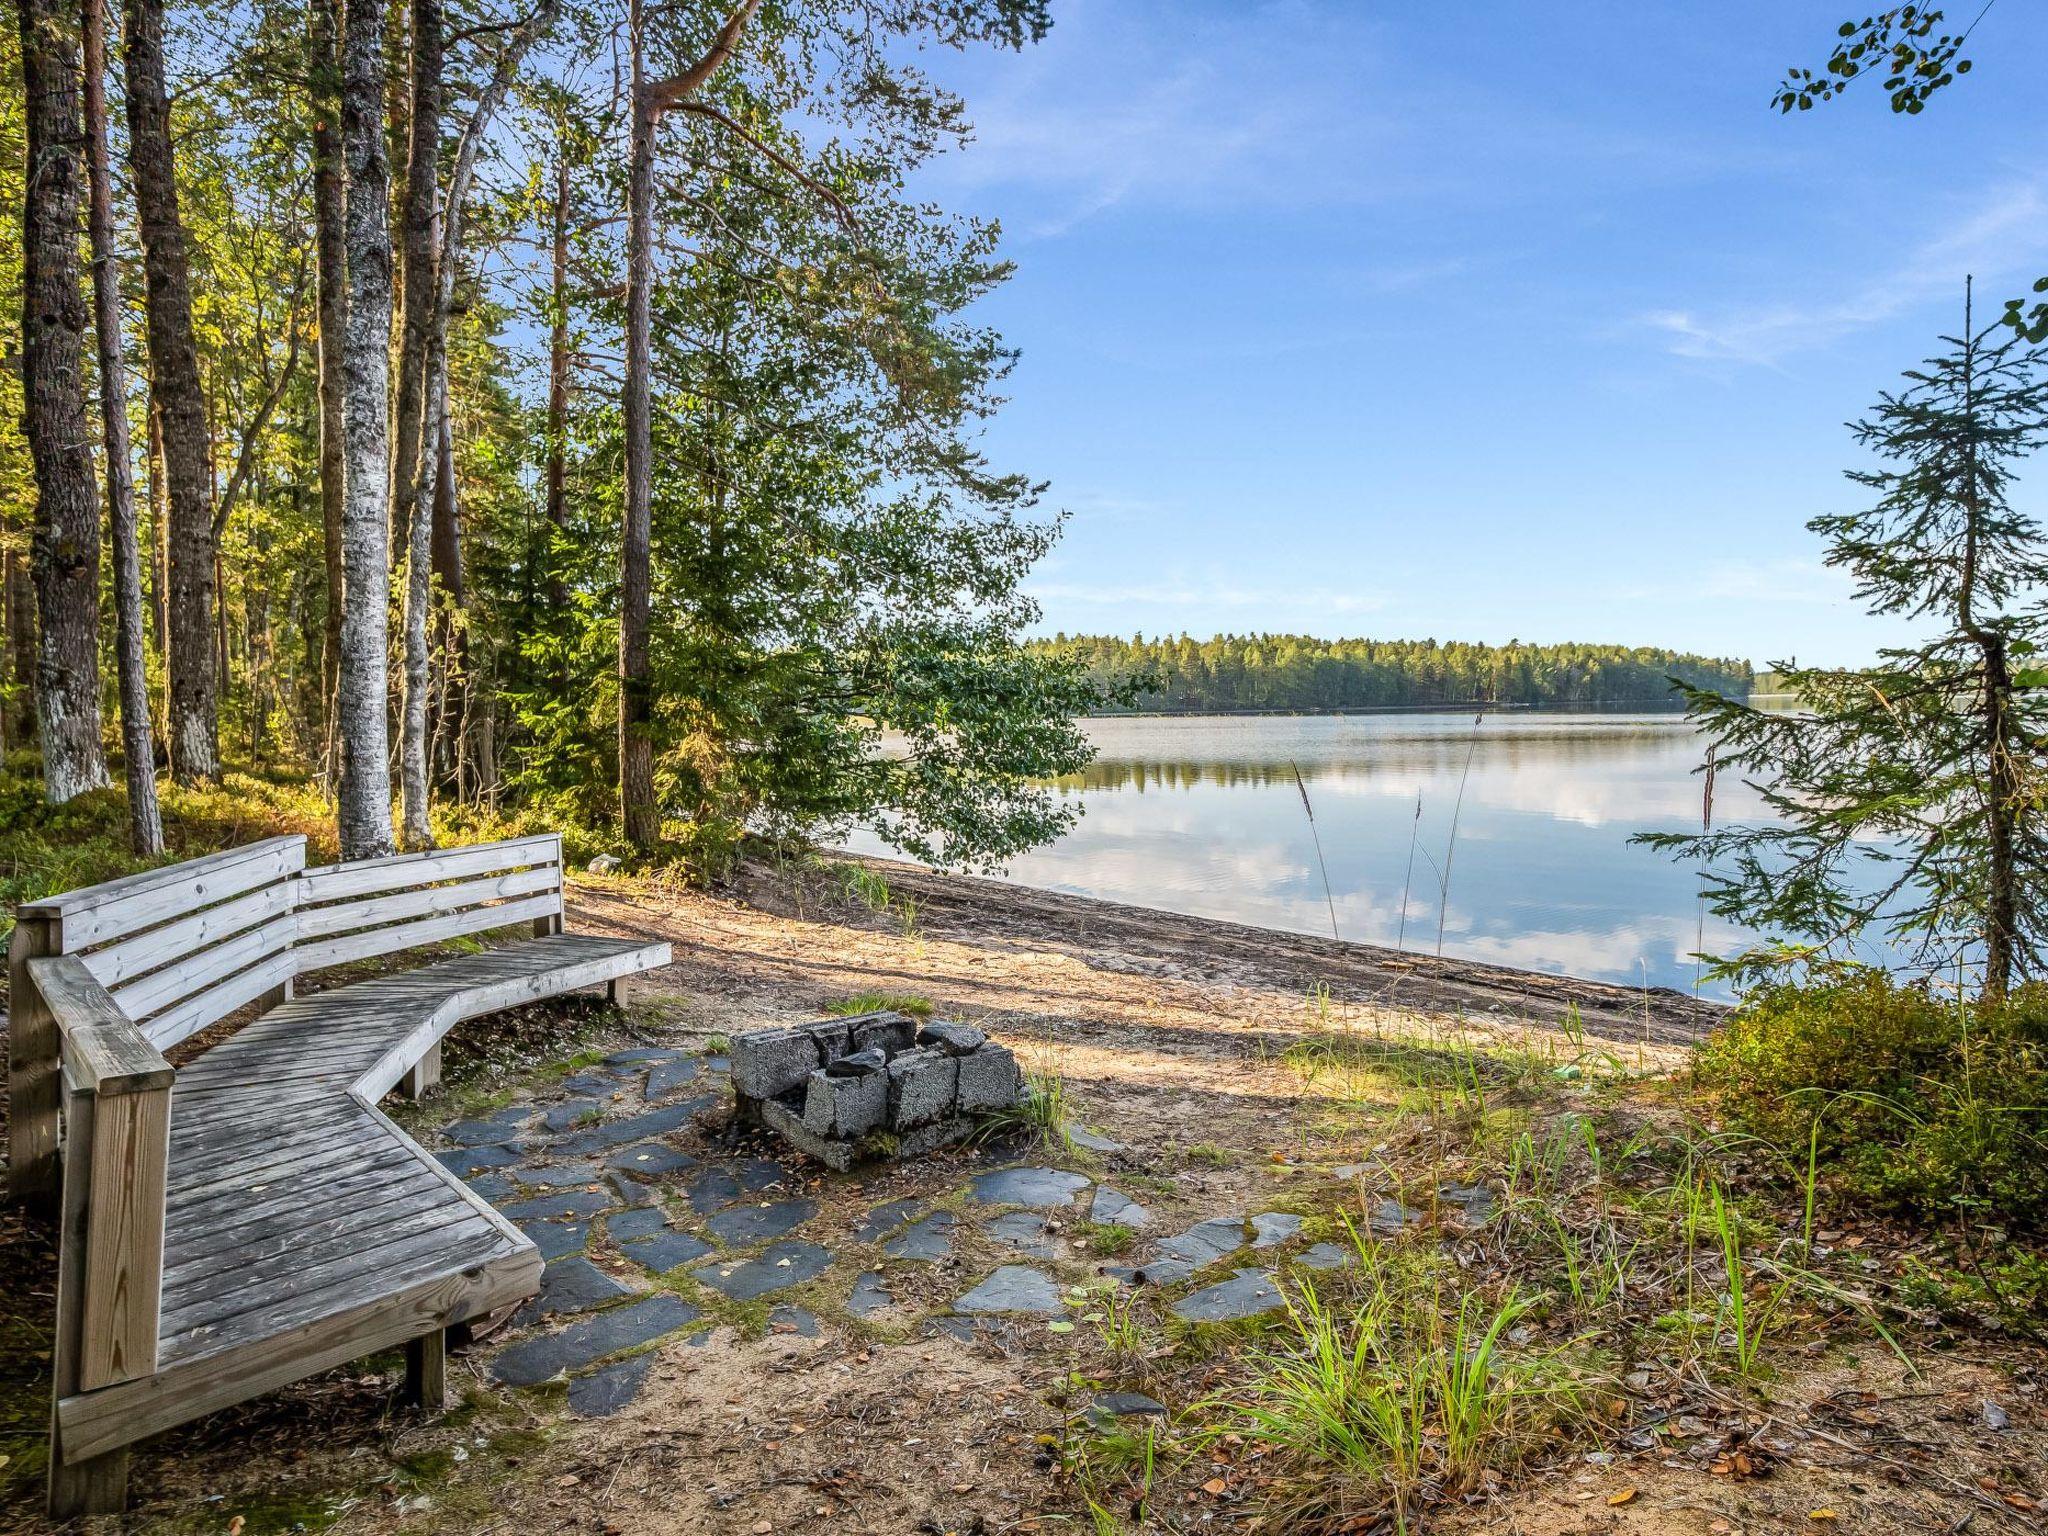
(1300, 672)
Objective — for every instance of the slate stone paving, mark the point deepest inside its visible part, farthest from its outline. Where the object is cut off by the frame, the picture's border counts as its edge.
(1207, 1241)
(650, 1159)
(571, 1284)
(533, 1360)
(571, 1113)
(869, 1296)
(1248, 1293)
(1326, 1256)
(787, 1319)
(554, 1175)
(671, 1077)
(1113, 1206)
(665, 1251)
(924, 1242)
(1045, 1188)
(1474, 1202)
(1389, 1217)
(572, 1202)
(624, 1226)
(741, 1225)
(490, 1130)
(555, 1238)
(780, 1266)
(1027, 1232)
(461, 1160)
(1273, 1228)
(603, 1392)
(1127, 1405)
(1013, 1288)
(886, 1218)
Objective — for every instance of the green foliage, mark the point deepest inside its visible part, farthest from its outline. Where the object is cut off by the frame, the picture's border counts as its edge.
(1902, 43)
(881, 1002)
(1229, 672)
(1910, 793)
(1934, 1107)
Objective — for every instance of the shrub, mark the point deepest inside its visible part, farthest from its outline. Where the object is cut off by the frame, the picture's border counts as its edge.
(1934, 1107)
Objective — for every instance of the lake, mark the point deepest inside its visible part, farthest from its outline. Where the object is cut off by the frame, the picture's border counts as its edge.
(1201, 815)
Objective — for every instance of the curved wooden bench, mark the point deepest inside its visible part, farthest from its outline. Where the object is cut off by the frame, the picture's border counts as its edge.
(278, 1223)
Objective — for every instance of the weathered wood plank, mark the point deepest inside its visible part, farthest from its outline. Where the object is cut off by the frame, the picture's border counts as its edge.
(216, 1003)
(365, 877)
(80, 1482)
(160, 988)
(101, 1049)
(201, 1383)
(426, 930)
(426, 1371)
(34, 1073)
(131, 957)
(124, 1237)
(99, 914)
(216, 1229)
(375, 911)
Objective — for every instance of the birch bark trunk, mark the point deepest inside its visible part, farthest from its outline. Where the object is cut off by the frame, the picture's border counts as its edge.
(331, 274)
(364, 814)
(145, 821)
(637, 807)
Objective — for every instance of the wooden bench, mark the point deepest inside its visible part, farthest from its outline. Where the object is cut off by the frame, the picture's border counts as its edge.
(275, 1223)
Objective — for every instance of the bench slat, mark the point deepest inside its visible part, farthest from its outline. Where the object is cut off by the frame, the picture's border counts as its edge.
(426, 930)
(316, 922)
(129, 958)
(366, 877)
(99, 914)
(159, 989)
(216, 1003)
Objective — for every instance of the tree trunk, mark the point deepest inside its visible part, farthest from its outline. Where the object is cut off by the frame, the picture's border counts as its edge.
(145, 822)
(2005, 787)
(180, 402)
(637, 806)
(364, 814)
(18, 706)
(329, 268)
(66, 558)
(558, 390)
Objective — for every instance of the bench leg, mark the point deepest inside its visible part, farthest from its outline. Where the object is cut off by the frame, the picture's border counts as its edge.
(426, 1371)
(95, 1487)
(611, 992)
(424, 1074)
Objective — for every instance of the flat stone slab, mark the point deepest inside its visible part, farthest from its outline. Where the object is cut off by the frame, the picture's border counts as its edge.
(886, 1218)
(557, 1207)
(1248, 1293)
(597, 1082)
(780, 1266)
(665, 1078)
(1013, 1288)
(869, 1296)
(1045, 1188)
(461, 1160)
(556, 1238)
(572, 1113)
(713, 1190)
(642, 1055)
(796, 1320)
(1326, 1256)
(1114, 1207)
(1272, 1228)
(1207, 1241)
(1475, 1202)
(1127, 1405)
(1157, 1272)
(643, 1221)
(490, 1130)
(1027, 1232)
(603, 1392)
(607, 1134)
(570, 1285)
(630, 1191)
(534, 1360)
(1094, 1141)
(492, 1186)
(927, 1241)
(1388, 1217)
(650, 1160)
(555, 1175)
(664, 1251)
(741, 1225)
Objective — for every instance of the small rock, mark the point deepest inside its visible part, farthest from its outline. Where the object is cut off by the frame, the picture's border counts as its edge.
(859, 1064)
(953, 1039)
(604, 864)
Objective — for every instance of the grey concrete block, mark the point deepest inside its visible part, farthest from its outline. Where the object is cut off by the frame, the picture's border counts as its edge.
(921, 1087)
(953, 1039)
(834, 1037)
(846, 1106)
(769, 1062)
(891, 1031)
(989, 1080)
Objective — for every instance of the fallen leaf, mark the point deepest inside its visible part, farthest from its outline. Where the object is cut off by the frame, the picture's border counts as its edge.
(235, 1526)
(1215, 1487)
(1622, 1497)
(1822, 1514)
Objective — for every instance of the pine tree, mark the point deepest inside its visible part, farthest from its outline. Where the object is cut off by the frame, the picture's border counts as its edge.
(1908, 794)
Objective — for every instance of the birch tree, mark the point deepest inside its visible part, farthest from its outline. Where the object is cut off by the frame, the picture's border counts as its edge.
(145, 822)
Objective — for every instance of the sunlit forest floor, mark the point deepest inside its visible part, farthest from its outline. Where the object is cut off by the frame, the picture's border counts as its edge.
(1510, 1274)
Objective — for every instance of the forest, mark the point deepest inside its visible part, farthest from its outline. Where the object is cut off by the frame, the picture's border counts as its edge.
(514, 412)
(1300, 672)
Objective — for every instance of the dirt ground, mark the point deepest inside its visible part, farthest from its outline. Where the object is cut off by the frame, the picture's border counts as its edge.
(1170, 1037)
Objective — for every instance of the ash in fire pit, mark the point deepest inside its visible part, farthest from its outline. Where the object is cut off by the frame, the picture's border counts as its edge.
(872, 1086)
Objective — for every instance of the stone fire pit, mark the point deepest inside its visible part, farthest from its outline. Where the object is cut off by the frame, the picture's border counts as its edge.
(878, 1085)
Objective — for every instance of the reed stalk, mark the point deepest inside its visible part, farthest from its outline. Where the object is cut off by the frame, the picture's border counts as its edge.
(1443, 895)
(1329, 899)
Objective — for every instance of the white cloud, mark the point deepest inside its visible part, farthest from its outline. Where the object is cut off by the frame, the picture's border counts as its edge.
(2003, 237)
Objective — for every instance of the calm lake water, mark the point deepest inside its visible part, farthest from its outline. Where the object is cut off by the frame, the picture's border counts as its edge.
(1201, 815)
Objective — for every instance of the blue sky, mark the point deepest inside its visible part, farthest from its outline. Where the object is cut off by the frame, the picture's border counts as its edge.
(1472, 320)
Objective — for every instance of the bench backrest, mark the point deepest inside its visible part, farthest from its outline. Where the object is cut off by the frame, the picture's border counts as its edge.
(182, 947)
